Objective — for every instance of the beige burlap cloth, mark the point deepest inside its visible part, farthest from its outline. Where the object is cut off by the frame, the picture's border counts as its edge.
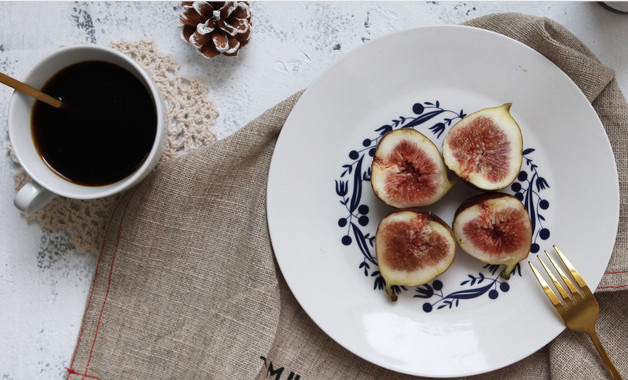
(186, 286)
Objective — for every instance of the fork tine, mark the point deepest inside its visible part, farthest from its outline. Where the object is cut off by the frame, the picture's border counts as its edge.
(573, 271)
(550, 293)
(566, 280)
(557, 284)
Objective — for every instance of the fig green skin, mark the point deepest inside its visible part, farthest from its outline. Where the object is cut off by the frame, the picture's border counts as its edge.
(481, 198)
(432, 218)
(504, 108)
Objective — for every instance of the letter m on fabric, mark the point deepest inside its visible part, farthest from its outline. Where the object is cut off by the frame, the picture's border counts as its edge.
(275, 374)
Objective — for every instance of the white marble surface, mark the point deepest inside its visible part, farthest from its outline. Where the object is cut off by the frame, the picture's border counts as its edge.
(44, 281)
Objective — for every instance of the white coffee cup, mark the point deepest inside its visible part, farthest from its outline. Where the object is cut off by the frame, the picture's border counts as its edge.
(619, 6)
(46, 183)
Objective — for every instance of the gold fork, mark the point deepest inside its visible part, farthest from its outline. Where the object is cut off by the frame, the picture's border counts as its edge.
(579, 308)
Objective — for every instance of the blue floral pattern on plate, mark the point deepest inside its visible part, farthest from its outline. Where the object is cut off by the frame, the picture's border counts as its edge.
(432, 118)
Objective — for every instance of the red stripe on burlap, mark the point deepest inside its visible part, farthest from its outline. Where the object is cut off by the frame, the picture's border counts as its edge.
(70, 369)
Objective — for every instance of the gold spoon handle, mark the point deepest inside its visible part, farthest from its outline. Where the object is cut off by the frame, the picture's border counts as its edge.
(28, 90)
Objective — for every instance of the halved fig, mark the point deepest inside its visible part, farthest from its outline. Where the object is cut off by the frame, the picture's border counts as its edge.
(413, 248)
(485, 148)
(494, 228)
(408, 170)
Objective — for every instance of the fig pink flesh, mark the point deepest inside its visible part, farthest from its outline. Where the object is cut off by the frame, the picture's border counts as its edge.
(497, 233)
(416, 176)
(410, 246)
(483, 148)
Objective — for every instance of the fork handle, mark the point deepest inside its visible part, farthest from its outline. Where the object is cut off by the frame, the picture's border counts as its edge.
(607, 359)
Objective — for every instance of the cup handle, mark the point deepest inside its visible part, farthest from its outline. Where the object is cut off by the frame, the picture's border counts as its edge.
(32, 197)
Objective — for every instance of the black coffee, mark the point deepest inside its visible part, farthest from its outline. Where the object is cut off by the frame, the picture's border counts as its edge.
(107, 129)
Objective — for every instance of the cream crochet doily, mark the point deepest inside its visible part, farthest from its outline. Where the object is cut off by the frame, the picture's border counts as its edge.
(191, 117)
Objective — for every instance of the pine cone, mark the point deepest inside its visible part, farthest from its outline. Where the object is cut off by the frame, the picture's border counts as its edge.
(216, 27)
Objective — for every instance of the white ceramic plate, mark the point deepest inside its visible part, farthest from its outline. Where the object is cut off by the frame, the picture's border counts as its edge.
(322, 213)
